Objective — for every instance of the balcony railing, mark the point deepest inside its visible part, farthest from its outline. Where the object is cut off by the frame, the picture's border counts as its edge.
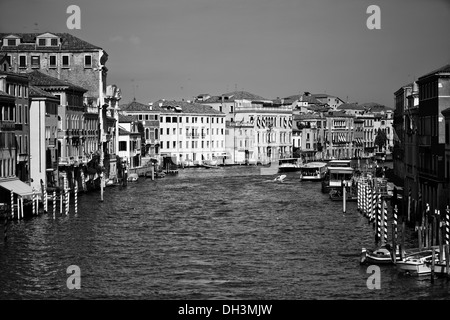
(7, 125)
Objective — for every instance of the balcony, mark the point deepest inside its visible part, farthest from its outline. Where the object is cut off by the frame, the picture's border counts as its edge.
(7, 125)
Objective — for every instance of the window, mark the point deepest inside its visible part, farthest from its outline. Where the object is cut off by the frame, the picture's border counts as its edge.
(65, 61)
(22, 61)
(88, 61)
(168, 144)
(174, 119)
(156, 133)
(52, 62)
(11, 42)
(174, 144)
(41, 42)
(162, 132)
(19, 115)
(122, 146)
(168, 131)
(35, 61)
(140, 117)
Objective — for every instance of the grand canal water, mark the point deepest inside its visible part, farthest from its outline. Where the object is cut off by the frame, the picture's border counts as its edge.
(226, 233)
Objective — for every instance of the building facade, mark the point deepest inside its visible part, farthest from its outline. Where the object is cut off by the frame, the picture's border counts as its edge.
(43, 137)
(190, 133)
(148, 116)
(17, 85)
(434, 97)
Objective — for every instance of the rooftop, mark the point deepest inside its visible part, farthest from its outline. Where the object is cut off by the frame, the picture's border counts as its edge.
(38, 92)
(40, 79)
(124, 118)
(443, 69)
(138, 106)
(186, 107)
(232, 96)
(28, 42)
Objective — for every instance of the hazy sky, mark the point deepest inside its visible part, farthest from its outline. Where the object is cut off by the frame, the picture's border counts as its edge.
(177, 49)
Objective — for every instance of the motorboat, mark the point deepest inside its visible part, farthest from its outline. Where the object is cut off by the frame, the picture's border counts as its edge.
(314, 171)
(133, 177)
(210, 164)
(417, 264)
(280, 178)
(289, 164)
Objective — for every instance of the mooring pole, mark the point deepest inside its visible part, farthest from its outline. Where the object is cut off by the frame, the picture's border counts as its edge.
(344, 195)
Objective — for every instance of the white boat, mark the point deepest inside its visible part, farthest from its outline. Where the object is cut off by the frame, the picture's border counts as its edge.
(210, 163)
(417, 264)
(289, 164)
(382, 255)
(314, 171)
(335, 176)
(280, 178)
(439, 267)
(133, 177)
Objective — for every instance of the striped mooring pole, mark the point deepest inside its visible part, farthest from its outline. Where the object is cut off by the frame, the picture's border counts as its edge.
(66, 198)
(385, 218)
(34, 201)
(395, 222)
(447, 225)
(76, 197)
(12, 204)
(374, 207)
(60, 201)
(377, 204)
(54, 204)
(369, 204)
(45, 200)
(357, 199)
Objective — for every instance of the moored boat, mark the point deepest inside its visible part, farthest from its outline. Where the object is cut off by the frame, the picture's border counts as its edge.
(382, 255)
(133, 177)
(289, 164)
(417, 264)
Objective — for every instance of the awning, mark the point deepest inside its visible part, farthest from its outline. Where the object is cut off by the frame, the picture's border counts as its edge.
(17, 186)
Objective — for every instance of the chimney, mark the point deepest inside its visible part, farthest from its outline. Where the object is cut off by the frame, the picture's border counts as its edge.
(150, 105)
